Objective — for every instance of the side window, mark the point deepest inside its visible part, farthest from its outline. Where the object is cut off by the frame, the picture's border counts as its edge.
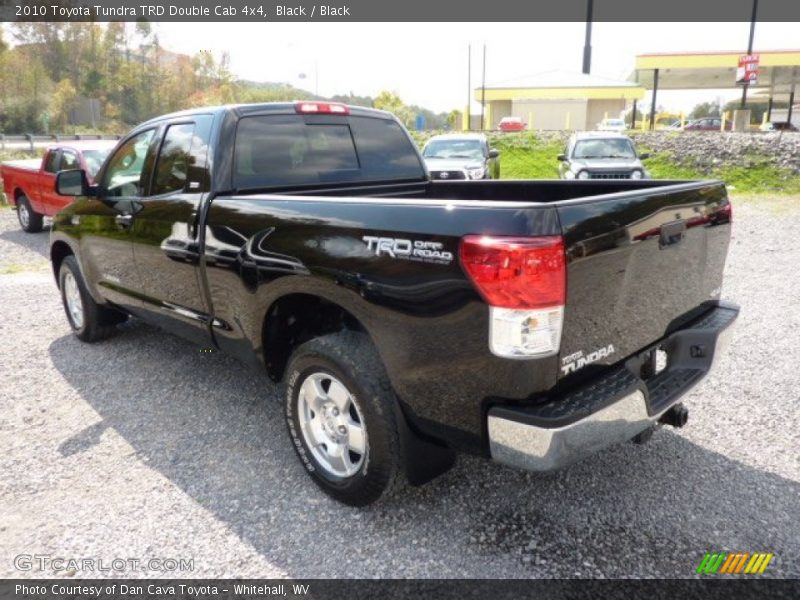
(123, 177)
(174, 160)
(51, 165)
(69, 160)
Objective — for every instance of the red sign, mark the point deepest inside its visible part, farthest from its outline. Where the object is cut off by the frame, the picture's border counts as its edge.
(747, 73)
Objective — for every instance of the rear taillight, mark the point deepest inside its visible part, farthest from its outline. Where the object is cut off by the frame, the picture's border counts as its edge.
(512, 272)
(321, 108)
(523, 279)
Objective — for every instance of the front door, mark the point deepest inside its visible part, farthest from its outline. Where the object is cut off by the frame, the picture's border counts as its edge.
(165, 232)
(66, 162)
(46, 197)
(107, 220)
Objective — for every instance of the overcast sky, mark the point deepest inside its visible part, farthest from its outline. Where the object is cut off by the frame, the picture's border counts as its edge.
(426, 63)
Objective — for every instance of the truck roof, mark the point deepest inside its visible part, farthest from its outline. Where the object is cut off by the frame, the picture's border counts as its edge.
(269, 107)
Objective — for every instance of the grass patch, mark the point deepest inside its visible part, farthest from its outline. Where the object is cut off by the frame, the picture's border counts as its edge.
(527, 155)
(662, 166)
(759, 179)
(15, 268)
(540, 163)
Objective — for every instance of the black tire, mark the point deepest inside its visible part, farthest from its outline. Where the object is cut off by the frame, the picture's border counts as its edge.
(350, 358)
(93, 322)
(29, 220)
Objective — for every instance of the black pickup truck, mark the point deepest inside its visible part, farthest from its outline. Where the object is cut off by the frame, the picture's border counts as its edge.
(529, 321)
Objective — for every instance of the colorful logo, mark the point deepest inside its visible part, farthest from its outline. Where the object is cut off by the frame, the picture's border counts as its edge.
(734, 563)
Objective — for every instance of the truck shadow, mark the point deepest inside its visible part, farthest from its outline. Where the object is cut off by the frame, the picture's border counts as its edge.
(214, 428)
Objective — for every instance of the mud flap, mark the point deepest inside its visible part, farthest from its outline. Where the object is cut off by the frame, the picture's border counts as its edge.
(425, 460)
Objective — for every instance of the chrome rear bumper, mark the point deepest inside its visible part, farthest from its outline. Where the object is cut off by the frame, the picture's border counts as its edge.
(612, 409)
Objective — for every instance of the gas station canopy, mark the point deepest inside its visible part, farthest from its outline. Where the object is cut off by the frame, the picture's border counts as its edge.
(779, 70)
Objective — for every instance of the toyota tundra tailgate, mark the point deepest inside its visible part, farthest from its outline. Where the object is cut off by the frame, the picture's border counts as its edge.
(640, 264)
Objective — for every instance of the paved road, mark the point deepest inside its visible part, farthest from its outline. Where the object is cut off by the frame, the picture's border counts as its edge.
(144, 447)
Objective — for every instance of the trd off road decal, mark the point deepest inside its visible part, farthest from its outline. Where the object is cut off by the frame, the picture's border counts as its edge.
(416, 250)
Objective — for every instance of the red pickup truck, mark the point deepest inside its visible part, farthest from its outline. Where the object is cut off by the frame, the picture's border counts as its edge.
(30, 184)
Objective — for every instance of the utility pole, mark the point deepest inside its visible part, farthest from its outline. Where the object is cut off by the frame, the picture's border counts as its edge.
(750, 48)
(468, 116)
(587, 46)
(483, 87)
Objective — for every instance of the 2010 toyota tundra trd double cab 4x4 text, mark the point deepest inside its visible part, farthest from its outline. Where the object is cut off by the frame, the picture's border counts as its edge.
(533, 322)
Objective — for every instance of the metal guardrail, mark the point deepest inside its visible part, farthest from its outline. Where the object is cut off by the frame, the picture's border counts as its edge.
(32, 140)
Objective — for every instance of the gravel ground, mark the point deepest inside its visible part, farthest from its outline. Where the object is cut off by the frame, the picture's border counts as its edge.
(142, 446)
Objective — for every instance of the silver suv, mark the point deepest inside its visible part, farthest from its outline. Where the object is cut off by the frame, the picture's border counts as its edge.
(461, 156)
(601, 155)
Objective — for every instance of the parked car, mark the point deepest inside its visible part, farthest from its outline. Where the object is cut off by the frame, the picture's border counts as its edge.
(30, 184)
(778, 126)
(611, 125)
(406, 318)
(594, 155)
(707, 124)
(461, 156)
(512, 124)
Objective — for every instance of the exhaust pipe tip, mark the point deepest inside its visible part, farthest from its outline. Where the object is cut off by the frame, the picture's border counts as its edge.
(677, 416)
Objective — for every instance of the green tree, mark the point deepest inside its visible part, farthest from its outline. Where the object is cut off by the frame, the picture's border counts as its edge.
(390, 101)
(757, 109)
(705, 109)
(61, 102)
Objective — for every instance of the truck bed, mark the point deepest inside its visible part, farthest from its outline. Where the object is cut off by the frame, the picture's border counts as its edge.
(26, 164)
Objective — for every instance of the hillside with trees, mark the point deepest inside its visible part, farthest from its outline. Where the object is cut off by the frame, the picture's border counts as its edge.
(66, 77)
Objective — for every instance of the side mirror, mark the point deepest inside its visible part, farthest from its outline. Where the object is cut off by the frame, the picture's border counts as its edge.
(562, 157)
(493, 153)
(72, 183)
(644, 155)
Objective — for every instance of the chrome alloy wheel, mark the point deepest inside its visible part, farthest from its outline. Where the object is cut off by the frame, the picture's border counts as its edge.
(23, 214)
(332, 424)
(72, 298)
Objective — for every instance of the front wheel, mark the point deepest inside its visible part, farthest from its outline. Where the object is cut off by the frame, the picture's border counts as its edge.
(29, 220)
(341, 414)
(89, 321)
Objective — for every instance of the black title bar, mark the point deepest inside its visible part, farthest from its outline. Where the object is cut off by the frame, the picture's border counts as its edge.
(261, 11)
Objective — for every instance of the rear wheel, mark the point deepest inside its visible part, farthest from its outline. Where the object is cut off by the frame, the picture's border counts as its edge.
(342, 417)
(29, 220)
(89, 321)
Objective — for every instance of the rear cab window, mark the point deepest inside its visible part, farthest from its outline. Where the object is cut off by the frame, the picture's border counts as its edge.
(51, 162)
(288, 150)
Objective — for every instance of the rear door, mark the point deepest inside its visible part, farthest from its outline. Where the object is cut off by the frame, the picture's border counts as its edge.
(639, 264)
(165, 235)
